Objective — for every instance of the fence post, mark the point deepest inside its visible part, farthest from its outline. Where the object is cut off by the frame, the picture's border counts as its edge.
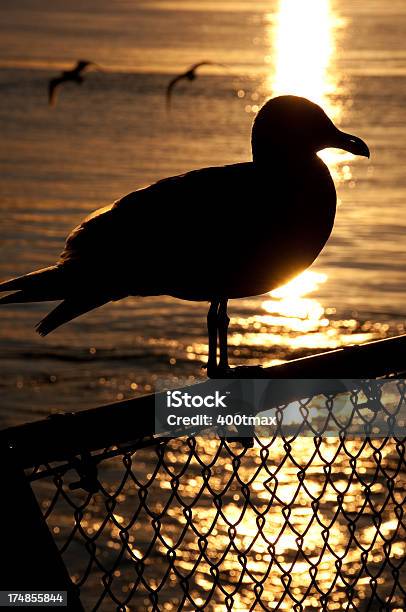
(31, 560)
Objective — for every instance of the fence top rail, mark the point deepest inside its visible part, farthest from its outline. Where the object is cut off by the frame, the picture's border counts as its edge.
(62, 436)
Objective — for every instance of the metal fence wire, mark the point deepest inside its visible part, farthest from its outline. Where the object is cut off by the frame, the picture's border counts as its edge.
(293, 523)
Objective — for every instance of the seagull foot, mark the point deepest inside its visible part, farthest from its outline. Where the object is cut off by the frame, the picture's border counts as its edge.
(248, 371)
(237, 372)
(219, 372)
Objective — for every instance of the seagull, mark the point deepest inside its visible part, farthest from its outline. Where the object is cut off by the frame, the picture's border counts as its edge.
(74, 75)
(210, 235)
(189, 74)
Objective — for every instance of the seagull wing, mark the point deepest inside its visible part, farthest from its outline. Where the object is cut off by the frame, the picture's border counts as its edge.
(170, 87)
(138, 246)
(81, 65)
(199, 64)
(52, 89)
(84, 64)
(182, 231)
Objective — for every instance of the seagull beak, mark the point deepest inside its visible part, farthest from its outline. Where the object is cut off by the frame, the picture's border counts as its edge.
(350, 143)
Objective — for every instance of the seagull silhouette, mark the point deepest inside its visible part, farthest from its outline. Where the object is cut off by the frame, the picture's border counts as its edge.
(74, 75)
(212, 234)
(189, 74)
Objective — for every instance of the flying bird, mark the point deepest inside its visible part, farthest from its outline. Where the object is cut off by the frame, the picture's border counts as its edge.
(190, 75)
(213, 234)
(74, 75)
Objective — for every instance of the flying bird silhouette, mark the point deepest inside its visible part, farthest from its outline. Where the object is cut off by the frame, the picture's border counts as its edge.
(212, 234)
(190, 75)
(74, 75)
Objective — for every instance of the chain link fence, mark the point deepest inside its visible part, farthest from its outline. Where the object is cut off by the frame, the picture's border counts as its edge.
(196, 523)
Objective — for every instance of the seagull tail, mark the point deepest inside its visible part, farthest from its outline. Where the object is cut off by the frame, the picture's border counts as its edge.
(66, 311)
(39, 286)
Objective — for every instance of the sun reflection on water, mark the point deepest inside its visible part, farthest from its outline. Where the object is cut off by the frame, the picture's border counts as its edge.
(302, 58)
(290, 320)
(290, 301)
(303, 49)
(293, 320)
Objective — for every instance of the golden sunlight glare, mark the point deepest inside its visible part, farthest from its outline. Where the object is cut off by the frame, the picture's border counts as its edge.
(289, 301)
(301, 285)
(303, 45)
(303, 42)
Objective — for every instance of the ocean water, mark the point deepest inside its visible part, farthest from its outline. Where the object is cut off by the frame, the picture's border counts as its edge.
(113, 135)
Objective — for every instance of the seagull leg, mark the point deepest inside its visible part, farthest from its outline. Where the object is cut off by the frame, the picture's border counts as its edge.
(247, 432)
(245, 438)
(223, 321)
(212, 326)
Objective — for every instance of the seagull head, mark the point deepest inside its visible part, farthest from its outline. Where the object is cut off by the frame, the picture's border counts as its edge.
(294, 127)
